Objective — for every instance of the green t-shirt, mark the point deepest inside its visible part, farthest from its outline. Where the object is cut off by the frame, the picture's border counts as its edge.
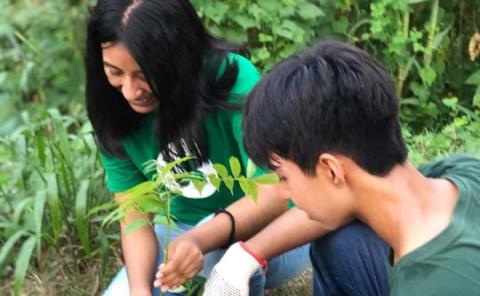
(449, 264)
(224, 139)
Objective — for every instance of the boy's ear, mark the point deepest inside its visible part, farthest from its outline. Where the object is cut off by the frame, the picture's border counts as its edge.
(332, 167)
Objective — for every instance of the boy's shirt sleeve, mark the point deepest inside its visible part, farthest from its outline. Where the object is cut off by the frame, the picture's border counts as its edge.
(122, 174)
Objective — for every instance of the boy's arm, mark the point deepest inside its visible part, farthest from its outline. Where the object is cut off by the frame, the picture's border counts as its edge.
(290, 230)
(231, 275)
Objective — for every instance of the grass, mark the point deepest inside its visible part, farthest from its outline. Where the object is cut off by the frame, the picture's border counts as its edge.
(67, 276)
(302, 285)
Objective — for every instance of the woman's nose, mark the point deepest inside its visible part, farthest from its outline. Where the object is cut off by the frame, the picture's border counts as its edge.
(131, 89)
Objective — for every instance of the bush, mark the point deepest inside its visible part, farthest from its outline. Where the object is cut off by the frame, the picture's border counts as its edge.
(50, 174)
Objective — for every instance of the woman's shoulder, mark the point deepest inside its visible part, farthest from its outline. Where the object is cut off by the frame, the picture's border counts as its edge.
(247, 77)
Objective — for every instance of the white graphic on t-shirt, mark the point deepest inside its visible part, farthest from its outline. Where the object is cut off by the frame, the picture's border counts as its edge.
(189, 190)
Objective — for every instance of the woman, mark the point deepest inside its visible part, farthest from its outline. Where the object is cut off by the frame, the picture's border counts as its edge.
(158, 85)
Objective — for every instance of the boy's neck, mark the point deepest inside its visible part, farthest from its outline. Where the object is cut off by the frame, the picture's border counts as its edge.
(406, 208)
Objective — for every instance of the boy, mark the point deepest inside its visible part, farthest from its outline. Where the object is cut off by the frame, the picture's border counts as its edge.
(326, 121)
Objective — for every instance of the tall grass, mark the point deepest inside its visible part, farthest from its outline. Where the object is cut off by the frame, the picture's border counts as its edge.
(50, 177)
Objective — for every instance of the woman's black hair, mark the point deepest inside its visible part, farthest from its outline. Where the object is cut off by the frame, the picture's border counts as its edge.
(181, 62)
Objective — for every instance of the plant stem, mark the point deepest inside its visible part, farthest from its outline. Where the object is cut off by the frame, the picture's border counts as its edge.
(403, 72)
(431, 35)
(167, 214)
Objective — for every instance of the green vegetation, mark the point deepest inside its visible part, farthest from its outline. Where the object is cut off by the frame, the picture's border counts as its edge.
(50, 174)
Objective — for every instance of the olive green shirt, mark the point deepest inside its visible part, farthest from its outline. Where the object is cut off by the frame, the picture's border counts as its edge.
(449, 264)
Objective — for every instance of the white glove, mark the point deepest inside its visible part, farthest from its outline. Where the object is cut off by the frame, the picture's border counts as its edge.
(231, 275)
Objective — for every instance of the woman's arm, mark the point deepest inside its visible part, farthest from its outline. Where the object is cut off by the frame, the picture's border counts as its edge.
(139, 251)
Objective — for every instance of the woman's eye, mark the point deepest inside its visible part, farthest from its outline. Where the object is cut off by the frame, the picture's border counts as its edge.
(115, 73)
(141, 77)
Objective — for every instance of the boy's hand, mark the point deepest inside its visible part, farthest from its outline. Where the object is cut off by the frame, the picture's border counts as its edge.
(231, 275)
(185, 260)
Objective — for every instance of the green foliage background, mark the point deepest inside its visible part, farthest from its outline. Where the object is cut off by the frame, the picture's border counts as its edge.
(50, 174)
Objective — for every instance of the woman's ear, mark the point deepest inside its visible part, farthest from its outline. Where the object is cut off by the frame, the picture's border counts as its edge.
(332, 167)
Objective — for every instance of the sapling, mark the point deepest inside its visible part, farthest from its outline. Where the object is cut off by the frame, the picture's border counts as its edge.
(170, 180)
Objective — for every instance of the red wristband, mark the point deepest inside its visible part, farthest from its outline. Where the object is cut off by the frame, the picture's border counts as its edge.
(261, 261)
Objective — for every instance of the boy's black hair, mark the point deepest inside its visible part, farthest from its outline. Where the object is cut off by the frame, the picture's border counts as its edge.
(333, 98)
(180, 61)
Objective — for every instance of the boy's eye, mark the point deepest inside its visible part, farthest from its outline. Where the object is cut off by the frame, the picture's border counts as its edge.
(282, 178)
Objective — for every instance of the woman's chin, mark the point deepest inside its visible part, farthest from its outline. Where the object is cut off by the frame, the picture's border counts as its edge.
(143, 109)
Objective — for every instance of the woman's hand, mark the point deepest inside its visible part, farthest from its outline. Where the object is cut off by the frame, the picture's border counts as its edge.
(185, 260)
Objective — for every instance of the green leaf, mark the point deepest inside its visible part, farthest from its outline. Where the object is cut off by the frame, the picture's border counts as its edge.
(251, 168)
(113, 216)
(20, 207)
(177, 290)
(41, 145)
(235, 166)
(22, 263)
(229, 183)
(416, 1)
(54, 204)
(266, 179)
(6, 29)
(162, 219)
(474, 78)
(270, 6)
(253, 190)
(104, 249)
(476, 97)
(439, 37)
(135, 225)
(103, 207)
(8, 245)
(199, 185)
(264, 37)
(38, 209)
(213, 178)
(244, 21)
(428, 75)
(460, 121)
(144, 188)
(167, 168)
(288, 30)
(450, 102)
(81, 223)
(216, 12)
(310, 11)
(61, 134)
(244, 185)
(340, 25)
(195, 286)
(221, 170)
(150, 203)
